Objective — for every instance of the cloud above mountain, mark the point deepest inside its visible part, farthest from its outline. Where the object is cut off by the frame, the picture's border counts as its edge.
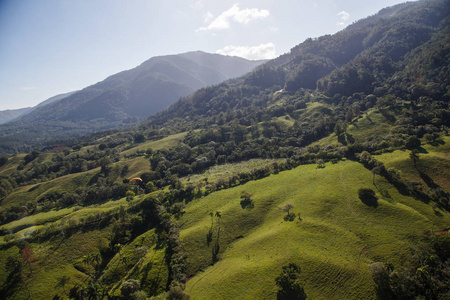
(344, 16)
(235, 14)
(263, 51)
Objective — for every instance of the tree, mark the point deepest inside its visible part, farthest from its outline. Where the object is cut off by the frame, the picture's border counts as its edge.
(320, 163)
(412, 142)
(211, 214)
(218, 215)
(380, 276)
(149, 187)
(177, 293)
(414, 156)
(3, 160)
(289, 284)
(246, 201)
(375, 171)
(130, 195)
(129, 287)
(287, 207)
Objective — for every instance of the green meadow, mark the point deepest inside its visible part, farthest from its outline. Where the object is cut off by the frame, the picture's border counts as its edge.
(327, 242)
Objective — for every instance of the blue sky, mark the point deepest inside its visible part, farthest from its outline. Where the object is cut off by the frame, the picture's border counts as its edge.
(48, 47)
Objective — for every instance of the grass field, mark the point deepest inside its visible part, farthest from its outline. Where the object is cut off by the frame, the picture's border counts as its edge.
(165, 143)
(434, 162)
(326, 243)
(239, 254)
(24, 194)
(372, 124)
(225, 171)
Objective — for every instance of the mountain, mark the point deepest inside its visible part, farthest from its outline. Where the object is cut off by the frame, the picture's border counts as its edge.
(122, 99)
(273, 185)
(10, 115)
(365, 58)
(54, 99)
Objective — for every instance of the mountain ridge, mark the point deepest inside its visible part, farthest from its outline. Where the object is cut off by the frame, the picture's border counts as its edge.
(122, 99)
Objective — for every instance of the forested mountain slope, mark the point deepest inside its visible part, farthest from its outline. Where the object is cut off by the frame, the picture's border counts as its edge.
(122, 99)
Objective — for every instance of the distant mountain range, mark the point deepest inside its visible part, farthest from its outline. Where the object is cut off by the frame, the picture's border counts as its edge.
(121, 99)
(12, 114)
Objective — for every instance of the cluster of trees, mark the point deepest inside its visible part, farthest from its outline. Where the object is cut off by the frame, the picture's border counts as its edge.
(415, 189)
(424, 276)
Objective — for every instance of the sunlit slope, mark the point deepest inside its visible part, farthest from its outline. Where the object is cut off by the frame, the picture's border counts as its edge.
(432, 169)
(327, 243)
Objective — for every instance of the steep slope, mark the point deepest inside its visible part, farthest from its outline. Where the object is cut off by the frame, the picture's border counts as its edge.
(123, 98)
(365, 58)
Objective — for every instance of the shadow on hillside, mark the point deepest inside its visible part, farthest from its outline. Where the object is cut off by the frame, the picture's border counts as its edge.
(428, 180)
(370, 201)
(346, 139)
(209, 237)
(387, 115)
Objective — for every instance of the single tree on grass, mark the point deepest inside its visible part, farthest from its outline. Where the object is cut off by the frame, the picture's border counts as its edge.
(218, 215)
(246, 201)
(414, 156)
(375, 171)
(287, 208)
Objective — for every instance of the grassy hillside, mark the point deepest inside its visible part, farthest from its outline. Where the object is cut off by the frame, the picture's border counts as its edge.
(335, 239)
(432, 168)
(327, 242)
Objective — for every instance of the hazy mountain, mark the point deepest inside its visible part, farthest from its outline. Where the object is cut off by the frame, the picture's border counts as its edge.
(123, 98)
(54, 99)
(12, 114)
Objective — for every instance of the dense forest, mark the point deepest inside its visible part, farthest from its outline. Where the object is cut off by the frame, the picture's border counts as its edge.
(349, 100)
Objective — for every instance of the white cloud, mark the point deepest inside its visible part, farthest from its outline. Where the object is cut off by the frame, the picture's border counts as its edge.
(344, 16)
(241, 16)
(263, 51)
(208, 17)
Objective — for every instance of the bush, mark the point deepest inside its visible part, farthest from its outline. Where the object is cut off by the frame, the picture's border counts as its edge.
(289, 284)
(130, 195)
(177, 293)
(246, 201)
(129, 287)
(3, 160)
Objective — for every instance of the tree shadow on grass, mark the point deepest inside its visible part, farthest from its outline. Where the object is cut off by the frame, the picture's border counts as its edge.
(428, 180)
(290, 217)
(370, 201)
(209, 237)
(247, 204)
